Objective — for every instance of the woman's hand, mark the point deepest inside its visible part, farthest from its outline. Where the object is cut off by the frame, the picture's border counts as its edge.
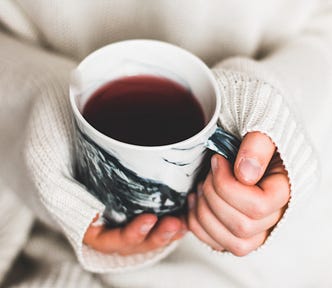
(236, 210)
(142, 234)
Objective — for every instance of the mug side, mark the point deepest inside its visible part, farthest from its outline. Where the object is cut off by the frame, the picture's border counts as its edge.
(131, 179)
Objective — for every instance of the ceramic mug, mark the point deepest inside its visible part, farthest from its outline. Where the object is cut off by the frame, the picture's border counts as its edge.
(131, 179)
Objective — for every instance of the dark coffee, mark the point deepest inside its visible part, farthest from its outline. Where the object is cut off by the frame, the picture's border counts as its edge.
(145, 110)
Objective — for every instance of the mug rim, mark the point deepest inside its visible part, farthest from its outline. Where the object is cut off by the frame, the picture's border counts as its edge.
(213, 120)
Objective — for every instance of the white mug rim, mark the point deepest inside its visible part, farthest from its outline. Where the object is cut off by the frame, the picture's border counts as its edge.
(187, 141)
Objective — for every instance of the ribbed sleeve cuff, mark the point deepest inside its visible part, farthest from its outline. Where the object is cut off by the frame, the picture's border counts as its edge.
(74, 211)
(73, 208)
(252, 102)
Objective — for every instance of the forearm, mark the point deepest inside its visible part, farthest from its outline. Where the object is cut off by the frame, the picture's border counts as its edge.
(36, 151)
(279, 95)
(26, 71)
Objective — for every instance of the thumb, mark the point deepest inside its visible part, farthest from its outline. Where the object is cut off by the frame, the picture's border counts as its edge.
(254, 156)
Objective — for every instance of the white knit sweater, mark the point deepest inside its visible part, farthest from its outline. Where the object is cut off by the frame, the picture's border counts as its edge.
(273, 62)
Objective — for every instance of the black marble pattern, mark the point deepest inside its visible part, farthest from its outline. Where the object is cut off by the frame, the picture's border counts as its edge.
(124, 193)
(224, 143)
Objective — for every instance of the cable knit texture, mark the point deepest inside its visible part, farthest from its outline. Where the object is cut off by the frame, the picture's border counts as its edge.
(252, 104)
(264, 86)
(72, 207)
(47, 153)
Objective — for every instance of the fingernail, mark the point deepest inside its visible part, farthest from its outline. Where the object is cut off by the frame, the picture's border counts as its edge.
(249, 169)
(214, 164)
(99, 222)
(145, 228)
(169, 235)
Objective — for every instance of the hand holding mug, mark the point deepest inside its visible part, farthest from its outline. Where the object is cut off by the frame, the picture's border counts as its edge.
(235, 209)
(150, 169)
(146, 113)
(144, 233)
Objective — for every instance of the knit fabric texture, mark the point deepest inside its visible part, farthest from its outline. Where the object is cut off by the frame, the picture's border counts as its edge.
(264, 89)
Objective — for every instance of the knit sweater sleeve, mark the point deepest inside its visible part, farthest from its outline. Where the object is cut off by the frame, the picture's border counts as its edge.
(36, 132)
(279, 95)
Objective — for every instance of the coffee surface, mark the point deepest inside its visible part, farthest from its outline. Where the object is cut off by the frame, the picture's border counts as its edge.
(144, 110)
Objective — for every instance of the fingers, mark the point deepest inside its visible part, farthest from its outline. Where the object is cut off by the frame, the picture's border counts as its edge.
(254, 155)
(136, 231)
(196, 227)
(237, 217)
(142, 234)
(256, 202)
(114, 240)
(239, 224)
(205, 225)
(165, 231)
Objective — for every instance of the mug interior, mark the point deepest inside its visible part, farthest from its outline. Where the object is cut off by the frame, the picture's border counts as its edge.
(146, 57)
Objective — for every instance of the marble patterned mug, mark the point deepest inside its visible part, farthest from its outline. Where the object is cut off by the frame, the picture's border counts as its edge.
(131, 179)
